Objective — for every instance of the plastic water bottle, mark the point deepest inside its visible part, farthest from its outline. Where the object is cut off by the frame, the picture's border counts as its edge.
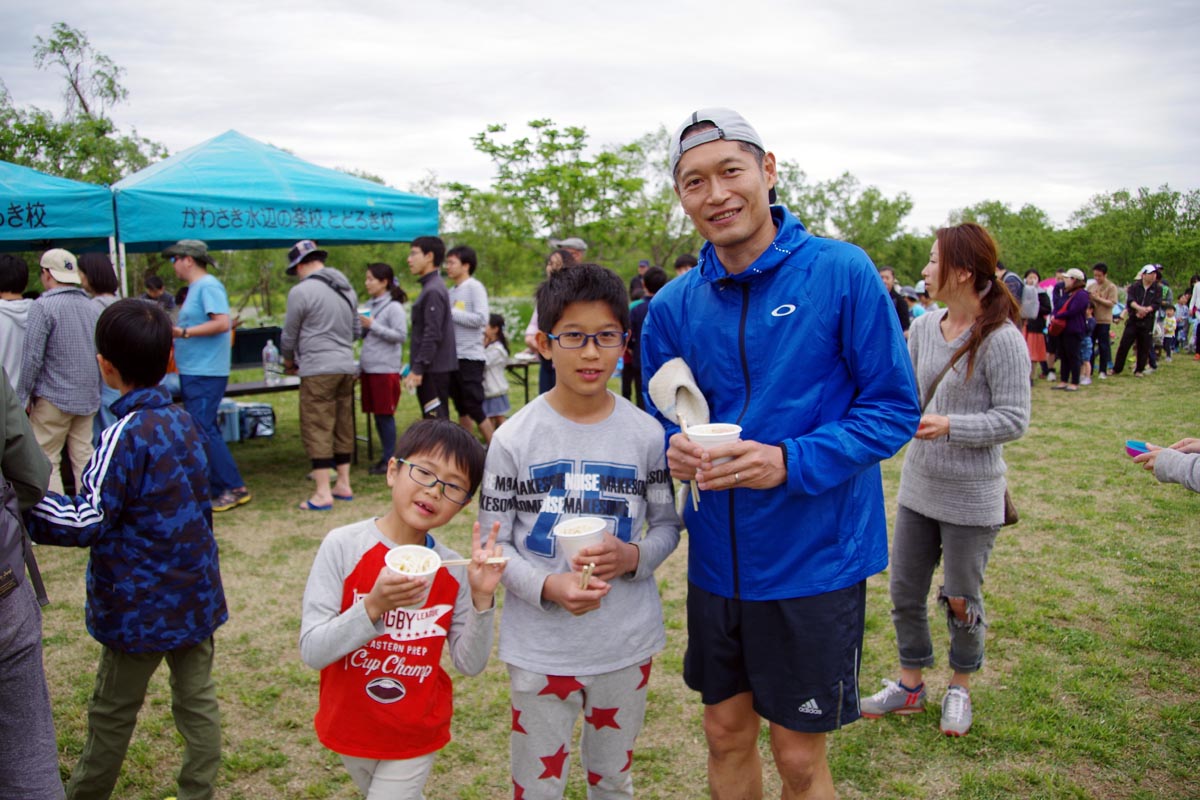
(272, 364)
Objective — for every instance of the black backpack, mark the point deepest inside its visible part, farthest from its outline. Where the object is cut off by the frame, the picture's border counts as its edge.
(16, 548)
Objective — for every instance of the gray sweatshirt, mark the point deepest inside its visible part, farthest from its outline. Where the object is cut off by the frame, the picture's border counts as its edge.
(321, 324)
(469, 309)
(383, 342)
(960, 478)
(13, 316)
(1173, 466)
(543, 468)
(327, 633)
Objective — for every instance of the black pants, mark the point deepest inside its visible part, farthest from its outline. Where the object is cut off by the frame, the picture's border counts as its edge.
(1134, 333)
(434, 395)
(1069, 345)
(1102, 346)
(631, 379)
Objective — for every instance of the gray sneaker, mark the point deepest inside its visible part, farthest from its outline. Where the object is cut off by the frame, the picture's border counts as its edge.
(956, 711)
(893, 699)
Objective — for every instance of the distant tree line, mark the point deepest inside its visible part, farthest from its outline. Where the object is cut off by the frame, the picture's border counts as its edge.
(621, 201)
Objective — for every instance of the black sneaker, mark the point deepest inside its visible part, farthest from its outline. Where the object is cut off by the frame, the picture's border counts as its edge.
(379, 468)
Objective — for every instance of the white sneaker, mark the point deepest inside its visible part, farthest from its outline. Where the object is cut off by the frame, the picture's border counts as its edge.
(1085, 381)
(1102, 376)
(893, 699)
(1051, 376)
(956, 711)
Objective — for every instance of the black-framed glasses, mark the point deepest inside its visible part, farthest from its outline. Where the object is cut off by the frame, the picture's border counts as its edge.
(426, 477)
(574, 340)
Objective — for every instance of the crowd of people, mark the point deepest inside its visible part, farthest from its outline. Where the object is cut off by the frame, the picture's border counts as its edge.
(786, 525)
(1071, 322)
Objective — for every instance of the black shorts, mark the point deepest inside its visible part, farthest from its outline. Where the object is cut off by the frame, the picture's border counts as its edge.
(466, 389)
(799, 658)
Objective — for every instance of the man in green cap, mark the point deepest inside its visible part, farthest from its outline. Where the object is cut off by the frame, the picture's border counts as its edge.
(202, 354)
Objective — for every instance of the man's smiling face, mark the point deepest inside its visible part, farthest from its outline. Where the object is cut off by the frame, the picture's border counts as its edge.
(725, 193)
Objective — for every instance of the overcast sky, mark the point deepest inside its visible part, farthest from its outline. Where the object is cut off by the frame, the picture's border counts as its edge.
(1046, 103)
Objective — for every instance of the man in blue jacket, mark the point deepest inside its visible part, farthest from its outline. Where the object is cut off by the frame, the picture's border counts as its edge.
(793, 338)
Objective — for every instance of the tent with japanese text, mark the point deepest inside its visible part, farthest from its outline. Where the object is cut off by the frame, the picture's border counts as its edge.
(236, 193)
(40, 211)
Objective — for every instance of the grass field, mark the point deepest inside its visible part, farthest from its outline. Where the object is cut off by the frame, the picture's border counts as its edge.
(1089, 689)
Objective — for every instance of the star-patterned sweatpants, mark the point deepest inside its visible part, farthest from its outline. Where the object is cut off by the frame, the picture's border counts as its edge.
(544, 710)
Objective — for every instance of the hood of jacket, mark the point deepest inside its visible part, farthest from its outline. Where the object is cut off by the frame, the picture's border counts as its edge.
(14, 312)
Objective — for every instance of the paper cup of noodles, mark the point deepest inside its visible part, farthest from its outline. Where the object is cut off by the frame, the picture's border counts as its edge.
(414, 561)
(714, 434)
(575, 535)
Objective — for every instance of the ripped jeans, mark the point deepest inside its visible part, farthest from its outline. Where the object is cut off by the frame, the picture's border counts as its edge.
(918, 543)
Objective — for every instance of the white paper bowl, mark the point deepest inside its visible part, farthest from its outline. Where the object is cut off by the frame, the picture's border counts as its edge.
(405, 559)
(713, 434)
(577, 534)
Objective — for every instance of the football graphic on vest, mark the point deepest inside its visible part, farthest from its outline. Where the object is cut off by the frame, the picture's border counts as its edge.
(385, 690)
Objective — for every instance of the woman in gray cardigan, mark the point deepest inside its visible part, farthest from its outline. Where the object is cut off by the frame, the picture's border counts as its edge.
(972, 370)
(384, 329)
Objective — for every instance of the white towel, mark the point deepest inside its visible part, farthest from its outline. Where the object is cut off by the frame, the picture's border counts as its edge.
(673, 389)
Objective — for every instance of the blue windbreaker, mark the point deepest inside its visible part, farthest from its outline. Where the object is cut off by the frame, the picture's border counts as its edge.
(802, 349)
(153, 579)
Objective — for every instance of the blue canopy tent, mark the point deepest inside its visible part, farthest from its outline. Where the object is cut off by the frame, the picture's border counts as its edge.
(40, 211)
(237, 193)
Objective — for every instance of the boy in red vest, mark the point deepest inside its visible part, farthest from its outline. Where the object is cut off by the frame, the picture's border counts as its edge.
(385, 702)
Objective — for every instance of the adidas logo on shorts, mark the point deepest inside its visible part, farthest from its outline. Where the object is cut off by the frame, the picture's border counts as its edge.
(810, 707)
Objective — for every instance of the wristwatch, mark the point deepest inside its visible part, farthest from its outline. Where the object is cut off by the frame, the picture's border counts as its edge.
(185, 333)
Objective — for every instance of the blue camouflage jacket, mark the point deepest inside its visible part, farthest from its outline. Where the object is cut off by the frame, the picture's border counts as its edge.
(153, 579)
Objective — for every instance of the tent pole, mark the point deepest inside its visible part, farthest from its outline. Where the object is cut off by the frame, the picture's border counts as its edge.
(112, 256)
(124, 275)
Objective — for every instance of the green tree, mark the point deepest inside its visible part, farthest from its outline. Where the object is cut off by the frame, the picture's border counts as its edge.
(84, 143)
(93, 80)
(841, 208)
(1127, 229)
(548, 185)
(655, 227)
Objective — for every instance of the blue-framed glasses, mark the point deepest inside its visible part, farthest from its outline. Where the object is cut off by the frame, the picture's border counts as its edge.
(574, 340)
(426, 477)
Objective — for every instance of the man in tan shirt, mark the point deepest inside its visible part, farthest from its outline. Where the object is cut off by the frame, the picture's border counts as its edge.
(1104, 297)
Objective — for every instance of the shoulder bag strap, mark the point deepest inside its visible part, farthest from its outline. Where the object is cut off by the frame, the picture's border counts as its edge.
(329, 282)
(933, 387)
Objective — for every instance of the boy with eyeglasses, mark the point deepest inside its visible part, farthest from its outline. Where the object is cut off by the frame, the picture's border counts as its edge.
(573, 643)
(385, 701)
